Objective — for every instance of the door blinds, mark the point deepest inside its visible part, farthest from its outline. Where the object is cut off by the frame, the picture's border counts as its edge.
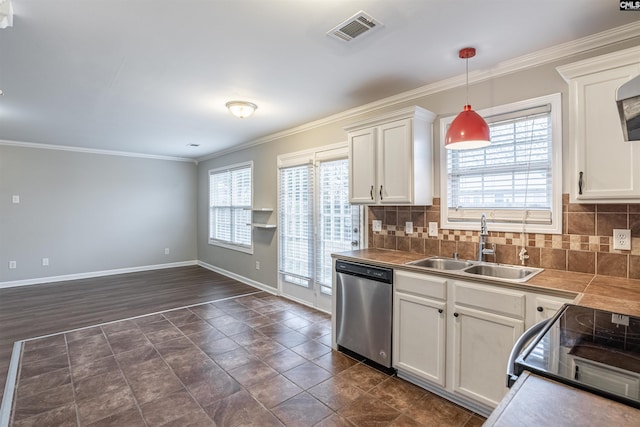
(296, 224)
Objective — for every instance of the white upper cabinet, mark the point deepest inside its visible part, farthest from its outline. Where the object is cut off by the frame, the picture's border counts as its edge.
(604, 167)
(390, 158)
(362, 157)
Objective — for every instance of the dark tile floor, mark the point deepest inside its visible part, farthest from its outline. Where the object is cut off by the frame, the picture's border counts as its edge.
(253, 360)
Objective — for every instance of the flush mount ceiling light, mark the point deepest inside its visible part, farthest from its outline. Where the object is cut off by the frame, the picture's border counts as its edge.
(468, 130)
(6, 14)
(241, 109)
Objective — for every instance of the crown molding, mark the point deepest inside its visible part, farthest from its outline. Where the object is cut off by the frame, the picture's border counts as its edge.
(534, 59)
(94, 151)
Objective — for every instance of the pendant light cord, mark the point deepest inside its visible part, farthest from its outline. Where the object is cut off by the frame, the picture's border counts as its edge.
(467, 86)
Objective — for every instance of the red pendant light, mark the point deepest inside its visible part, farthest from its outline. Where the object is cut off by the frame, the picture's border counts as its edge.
(468, 130)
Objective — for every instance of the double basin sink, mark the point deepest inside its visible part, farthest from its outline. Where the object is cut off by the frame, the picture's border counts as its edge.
(513, 273)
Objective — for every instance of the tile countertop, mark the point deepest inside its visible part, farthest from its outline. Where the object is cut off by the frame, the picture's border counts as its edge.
(601, 292)
(535, 401)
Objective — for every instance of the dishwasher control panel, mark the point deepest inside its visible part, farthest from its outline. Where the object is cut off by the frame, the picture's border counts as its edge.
(380, 274)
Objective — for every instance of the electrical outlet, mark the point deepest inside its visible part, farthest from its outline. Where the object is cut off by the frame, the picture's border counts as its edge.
(167, 251)
(619, 319)
(257, 265)
(12, 265)
(433, 229)
(45, 262)
(376, 225)
(621, 239)
(408, 227)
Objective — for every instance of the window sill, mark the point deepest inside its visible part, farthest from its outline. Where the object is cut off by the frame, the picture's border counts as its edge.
(244, 249)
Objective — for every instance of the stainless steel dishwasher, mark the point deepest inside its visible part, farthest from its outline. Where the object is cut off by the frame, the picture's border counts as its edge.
(364, 297)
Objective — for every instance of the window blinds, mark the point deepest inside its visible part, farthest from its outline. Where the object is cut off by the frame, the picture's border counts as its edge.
(296, 224)
(511, 180)
(335, 217)
(230, 206)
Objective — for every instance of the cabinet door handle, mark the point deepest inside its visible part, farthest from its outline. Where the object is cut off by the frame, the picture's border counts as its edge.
(456, 314)
(576, 375)
(440, 310)
(540, 309)
(580, 183)
(371, 192)
(381, 192)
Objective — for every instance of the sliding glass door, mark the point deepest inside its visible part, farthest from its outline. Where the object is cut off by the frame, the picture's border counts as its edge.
(315, 220)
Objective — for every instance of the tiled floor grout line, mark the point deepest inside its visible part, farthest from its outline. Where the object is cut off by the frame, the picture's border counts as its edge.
(9, 395)
(227, 372)
(126, 380)
(234, 314)
(73, 386)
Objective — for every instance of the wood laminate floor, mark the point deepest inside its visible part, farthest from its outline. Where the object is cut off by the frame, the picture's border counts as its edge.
(36, 310)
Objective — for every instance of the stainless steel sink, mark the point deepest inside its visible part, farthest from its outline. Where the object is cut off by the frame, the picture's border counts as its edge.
(441, 263)
(512, 273)
(519, 274)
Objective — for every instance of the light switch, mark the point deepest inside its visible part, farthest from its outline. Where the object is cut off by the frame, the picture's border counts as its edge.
(376, 225)
(15, 199)
(433, 229)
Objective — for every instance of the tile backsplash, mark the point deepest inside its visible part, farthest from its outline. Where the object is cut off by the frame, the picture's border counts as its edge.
(585, 244)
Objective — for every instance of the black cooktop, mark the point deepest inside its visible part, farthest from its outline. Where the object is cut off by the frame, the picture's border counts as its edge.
(592, 349)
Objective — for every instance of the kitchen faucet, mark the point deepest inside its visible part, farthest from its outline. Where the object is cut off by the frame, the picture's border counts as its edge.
(482, 250)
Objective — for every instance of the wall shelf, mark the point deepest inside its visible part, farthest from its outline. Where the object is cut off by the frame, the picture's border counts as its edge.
(259, 209)
(259, 225)
(262, 224)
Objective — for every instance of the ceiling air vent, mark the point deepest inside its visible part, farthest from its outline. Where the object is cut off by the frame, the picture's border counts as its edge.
(359, 24)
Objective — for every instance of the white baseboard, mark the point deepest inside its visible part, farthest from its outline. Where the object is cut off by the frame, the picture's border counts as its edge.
(52, 279)
(239, 278)
(303, 302)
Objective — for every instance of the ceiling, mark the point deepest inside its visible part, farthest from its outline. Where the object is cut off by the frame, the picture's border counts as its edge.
(153, 76)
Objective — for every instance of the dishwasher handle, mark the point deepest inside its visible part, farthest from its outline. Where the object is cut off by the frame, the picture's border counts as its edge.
(517, 349)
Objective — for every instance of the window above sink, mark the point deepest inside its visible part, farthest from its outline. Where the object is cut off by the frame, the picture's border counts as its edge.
(517, 180)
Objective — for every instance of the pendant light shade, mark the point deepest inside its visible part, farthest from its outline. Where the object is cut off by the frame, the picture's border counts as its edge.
(468, 130)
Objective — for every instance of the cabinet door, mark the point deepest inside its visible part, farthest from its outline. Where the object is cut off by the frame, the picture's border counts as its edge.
(419, 337)
(543, 307)
(607, 164)
(395, 165)
(482, 342)
(362, 166)
(608, 378)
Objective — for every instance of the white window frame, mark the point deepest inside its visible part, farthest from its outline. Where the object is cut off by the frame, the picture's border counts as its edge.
(221, 243)
(518, 223)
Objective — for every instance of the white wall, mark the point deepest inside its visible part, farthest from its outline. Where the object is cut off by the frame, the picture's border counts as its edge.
(92, 212)
(517, 86)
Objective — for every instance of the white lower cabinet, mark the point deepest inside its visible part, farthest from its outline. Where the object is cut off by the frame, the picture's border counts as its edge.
(454, 337)
(543, 307)
(482, 342)
(604, 377)
(487, 323)
(424, 320)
